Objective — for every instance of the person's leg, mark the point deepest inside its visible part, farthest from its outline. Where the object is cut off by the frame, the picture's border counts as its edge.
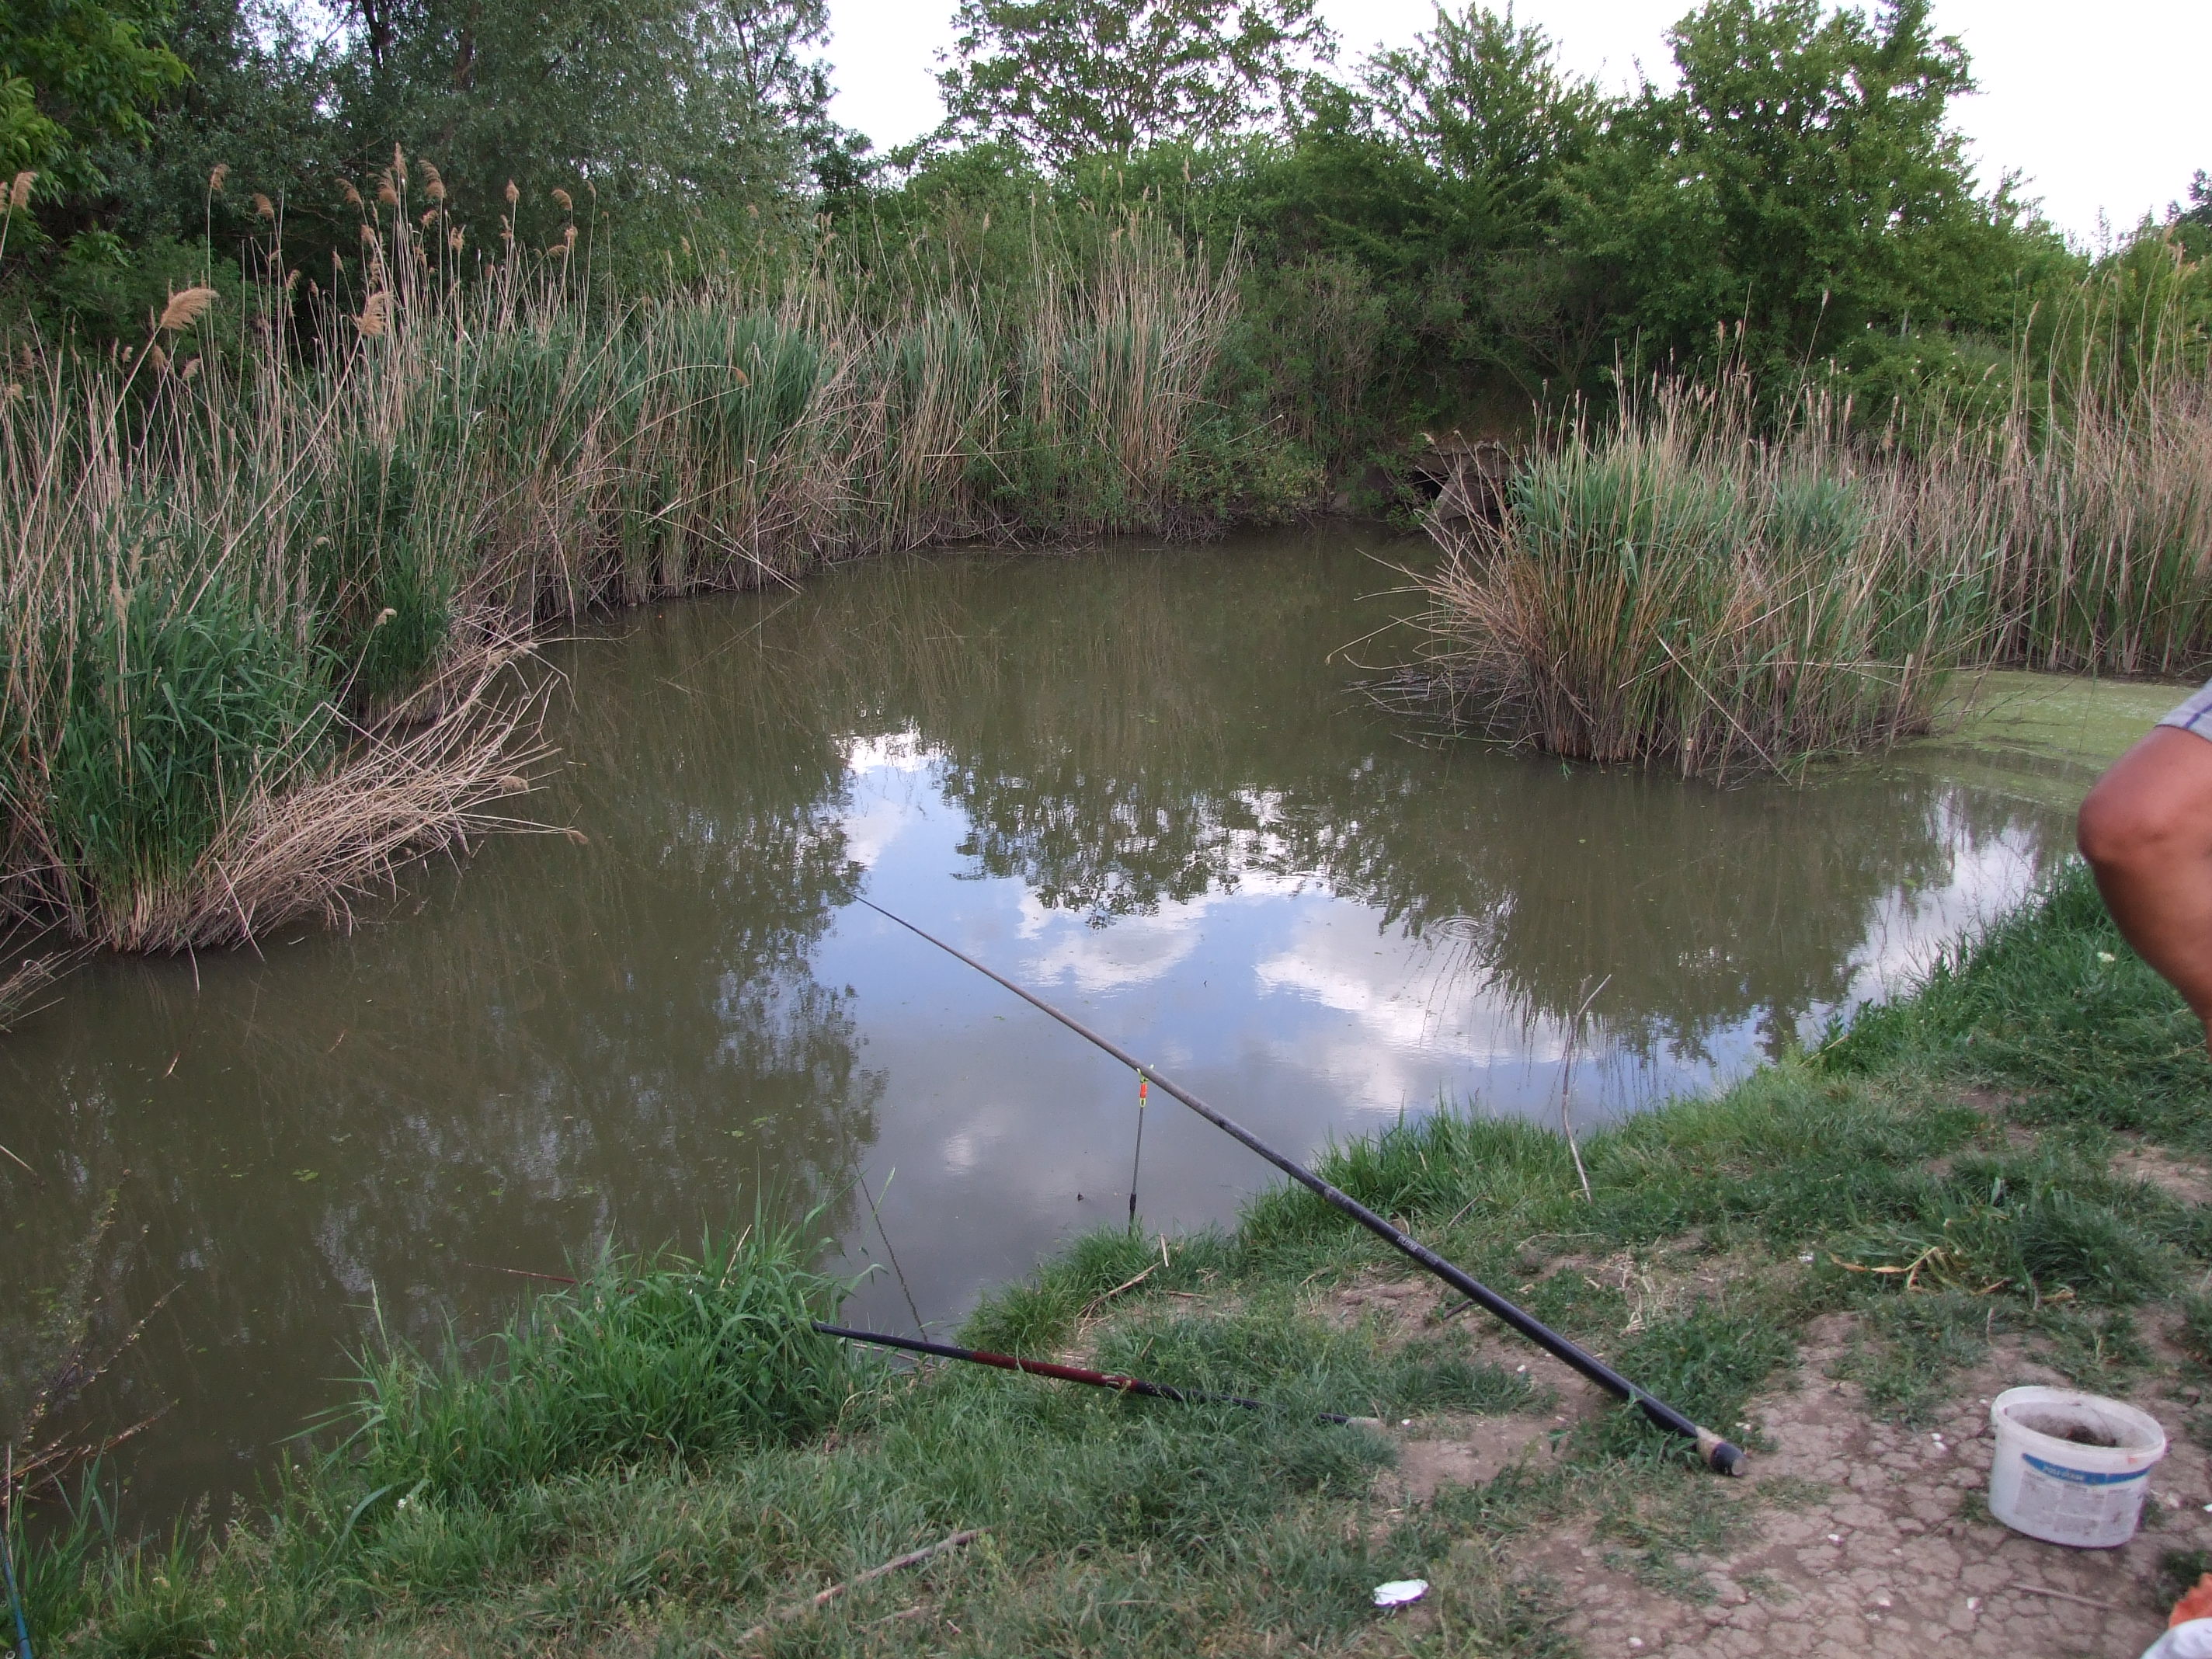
(2146, 830)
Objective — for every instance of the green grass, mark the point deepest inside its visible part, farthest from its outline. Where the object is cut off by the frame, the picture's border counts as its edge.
(663, 1359)
(652, 1462)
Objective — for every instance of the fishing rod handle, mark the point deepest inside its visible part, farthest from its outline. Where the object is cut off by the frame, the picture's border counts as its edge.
(1006, 1362)
(1718, 1454)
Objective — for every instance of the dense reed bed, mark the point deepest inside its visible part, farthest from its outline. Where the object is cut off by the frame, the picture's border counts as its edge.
(2097, 487)
(1688, 586)
(267, 600)
(1681, 588)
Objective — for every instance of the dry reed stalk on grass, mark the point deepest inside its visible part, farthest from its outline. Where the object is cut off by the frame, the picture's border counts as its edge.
(316, 846)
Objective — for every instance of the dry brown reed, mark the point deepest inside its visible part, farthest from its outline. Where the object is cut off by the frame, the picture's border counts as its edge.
(185, 308)
(317, 842)
(21, 985)
(325, 557)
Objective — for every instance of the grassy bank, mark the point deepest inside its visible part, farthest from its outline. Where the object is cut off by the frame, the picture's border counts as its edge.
(659, 1460)
(268, 597)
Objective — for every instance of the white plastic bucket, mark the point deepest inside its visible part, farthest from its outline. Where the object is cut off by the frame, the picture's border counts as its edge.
(2071, 1467)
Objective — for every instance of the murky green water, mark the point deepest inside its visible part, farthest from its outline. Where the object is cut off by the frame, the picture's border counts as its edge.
(1137, 779)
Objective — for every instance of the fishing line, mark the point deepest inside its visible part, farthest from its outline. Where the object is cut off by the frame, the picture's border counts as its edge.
(1138, 1162)
(1718, 1454)
(890, 1248)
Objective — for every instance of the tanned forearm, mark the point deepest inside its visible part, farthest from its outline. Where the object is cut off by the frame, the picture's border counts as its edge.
(2146, 830)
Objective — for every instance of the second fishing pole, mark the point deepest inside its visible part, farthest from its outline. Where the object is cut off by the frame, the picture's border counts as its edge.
(1718, 1454)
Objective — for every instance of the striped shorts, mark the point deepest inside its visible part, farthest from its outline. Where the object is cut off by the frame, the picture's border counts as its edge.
(2195, 714)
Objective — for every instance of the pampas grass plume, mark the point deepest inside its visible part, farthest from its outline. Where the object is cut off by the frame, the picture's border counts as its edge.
(263, 207)
(214, 180)
(563, 200)
(353, 196)
(184, 309)
(386, 195)
(513, 193)
(375, 318)
(19, 193)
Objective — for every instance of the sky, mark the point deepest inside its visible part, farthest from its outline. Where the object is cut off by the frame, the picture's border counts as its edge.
(2104, 109)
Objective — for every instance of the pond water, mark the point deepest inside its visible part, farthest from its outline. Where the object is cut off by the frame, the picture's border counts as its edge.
(1140, 779)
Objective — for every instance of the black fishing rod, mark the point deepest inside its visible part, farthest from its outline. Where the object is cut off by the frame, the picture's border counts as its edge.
(1719, 1455)
(1006, 1362)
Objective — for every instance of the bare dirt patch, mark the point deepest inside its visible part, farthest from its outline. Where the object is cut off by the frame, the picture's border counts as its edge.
(1458, 1449)
(2182, 1178)
(1864, 1537)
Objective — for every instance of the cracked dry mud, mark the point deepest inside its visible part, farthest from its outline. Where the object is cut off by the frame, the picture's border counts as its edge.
(1860, 1537)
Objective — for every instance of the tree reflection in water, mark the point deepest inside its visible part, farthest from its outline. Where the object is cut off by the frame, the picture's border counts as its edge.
(1125, 733)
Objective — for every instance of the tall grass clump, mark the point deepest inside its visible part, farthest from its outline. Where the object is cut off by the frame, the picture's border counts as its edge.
(1681, 588)
(645, 1359)
(269, 579)
(2099, 482)
(194, 631)
(1693, 583)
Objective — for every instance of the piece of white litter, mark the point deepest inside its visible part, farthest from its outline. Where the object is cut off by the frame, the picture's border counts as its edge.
(1636, 1641)
(1973, 1604)
(1835, 1538)
(1406, 1423)
(1806, 1257)
(1399, 1591)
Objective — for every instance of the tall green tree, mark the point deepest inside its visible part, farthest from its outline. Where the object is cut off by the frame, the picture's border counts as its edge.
(74, 75)
(666, 109)
(1061, 79)
(1483, 100)
(1805, 179)
(2192, 224)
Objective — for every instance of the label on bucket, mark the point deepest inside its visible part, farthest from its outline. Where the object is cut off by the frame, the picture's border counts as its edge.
(2079, 1505)
(2083, 1477)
